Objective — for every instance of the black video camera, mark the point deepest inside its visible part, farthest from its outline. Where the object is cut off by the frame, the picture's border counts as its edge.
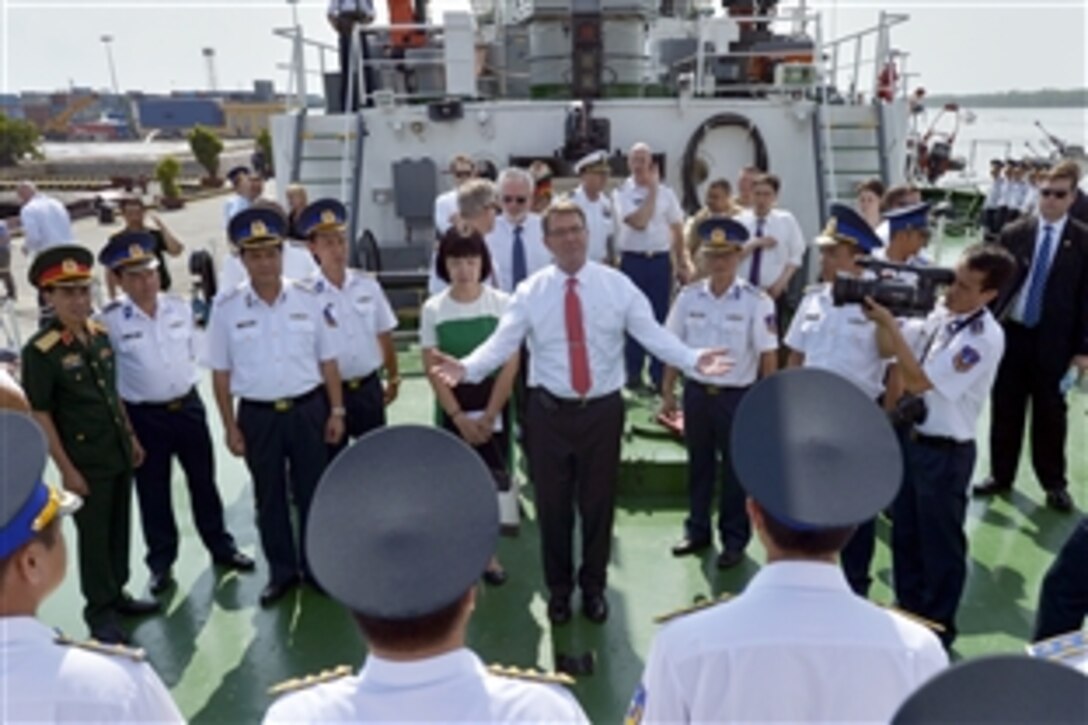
(906, 290)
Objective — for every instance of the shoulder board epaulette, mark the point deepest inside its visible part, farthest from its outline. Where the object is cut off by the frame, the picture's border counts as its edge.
(529, 675)
(229, 294)
(306, 285)
(114, 305)
(927, 623)
(301, 683)
(697, 607)
(753, 290)
(97, 327)
(47, 341)
(816, 287)
(1073, 644)
(113, 650)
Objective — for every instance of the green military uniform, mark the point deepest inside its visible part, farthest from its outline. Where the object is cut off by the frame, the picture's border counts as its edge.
(75, 382)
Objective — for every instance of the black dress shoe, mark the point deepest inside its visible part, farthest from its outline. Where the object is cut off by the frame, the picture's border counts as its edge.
(991, 487)
(595, 607)
(1059, 500)
(687, 546)
(559, 610)
(729, 559)
(109, 633)
(277, 590)
(160, 581)
(237, 561)
(495, 577)
(133, 607)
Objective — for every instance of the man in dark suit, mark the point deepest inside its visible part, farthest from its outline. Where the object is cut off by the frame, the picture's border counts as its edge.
(1045, 315)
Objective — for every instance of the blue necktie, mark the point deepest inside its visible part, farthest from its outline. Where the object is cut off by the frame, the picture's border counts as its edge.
(757, 257)
(1033, 306)
(521, 268)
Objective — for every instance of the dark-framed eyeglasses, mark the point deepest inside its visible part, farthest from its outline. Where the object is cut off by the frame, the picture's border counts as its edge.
(514, 199)
(1055, 193)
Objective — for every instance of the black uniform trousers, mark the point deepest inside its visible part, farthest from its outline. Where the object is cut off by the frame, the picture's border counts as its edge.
(102, 530)
(857, 557)
(574, 460)
(165, 430)
(364, 403)
(929, 546)
(350, 80)
(1021, 380)
(1063, 603)
(708, 422)
(285, 445)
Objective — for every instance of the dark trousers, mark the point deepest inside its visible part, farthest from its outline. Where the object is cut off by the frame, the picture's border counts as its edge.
(929, 546)
(102, 529)
(1063, 602)
(652, 275)
(8, 281)
(494, 453)
(708, 422)
(857, 557)
(349, 79)
(364, 402)
(165, 431)
(574, 460)
(1021, 380)
(284, 447)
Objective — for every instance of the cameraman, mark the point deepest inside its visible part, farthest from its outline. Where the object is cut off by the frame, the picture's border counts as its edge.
(948, 362)
(842, 340)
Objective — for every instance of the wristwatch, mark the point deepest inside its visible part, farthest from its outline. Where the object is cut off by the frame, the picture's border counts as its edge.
(339, 411)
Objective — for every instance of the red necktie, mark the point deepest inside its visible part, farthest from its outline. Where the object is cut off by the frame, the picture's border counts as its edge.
(576, 340)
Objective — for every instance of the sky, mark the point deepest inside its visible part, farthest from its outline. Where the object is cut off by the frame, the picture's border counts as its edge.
(967, 46)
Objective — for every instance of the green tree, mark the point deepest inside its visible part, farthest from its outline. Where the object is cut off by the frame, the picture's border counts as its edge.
(167, 171)
(264, 144)
(206, 148)
(18, 141)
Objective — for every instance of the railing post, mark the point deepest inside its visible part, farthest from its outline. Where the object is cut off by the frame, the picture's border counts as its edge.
(880, 55)
(300, 68)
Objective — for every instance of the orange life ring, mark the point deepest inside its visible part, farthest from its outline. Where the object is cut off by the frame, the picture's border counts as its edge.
(886, 82)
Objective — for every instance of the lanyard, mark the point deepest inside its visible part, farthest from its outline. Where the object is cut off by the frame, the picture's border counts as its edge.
(953, 329)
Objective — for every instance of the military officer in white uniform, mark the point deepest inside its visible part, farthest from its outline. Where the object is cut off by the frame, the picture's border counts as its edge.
(908, 236)
(816, 457)
(44, 676)
(728, 312)
(948, 363)
(379, 511)
(157, 374)
(359, 318)
(269, 346)
(593, 171)
(842, 340)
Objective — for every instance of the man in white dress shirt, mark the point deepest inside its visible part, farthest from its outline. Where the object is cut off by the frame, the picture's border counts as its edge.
(46, 676)
(797, 645)
(157, 374)
(379, 511)
(517, 241)
(239, 200)
(462, 170)
(650, 234)
(776, 249)
(593, 171)
(45, 221)
(575, 409)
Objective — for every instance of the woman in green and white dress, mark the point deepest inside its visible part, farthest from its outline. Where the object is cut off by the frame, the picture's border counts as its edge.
(456, 321)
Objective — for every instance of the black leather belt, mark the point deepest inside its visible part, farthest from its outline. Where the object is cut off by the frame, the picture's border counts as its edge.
(171, 405)
(646, 255)
(553, 401)
(283, 405)
(716, 389)
(937, 441)
(357, 383)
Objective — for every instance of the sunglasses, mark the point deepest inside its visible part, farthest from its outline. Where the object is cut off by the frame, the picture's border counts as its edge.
(514, 199)
(1056, 193)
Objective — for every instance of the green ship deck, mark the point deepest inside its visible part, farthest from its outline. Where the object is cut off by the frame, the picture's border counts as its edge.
(219, 652)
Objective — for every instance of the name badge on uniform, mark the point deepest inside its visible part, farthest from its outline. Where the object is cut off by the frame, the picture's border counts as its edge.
(71, 362)
(176, 324)
(298, 316)
(735, 318)
(696, 315)
(857, 320)
(812, 316)
(245, 323)
(132, 336)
